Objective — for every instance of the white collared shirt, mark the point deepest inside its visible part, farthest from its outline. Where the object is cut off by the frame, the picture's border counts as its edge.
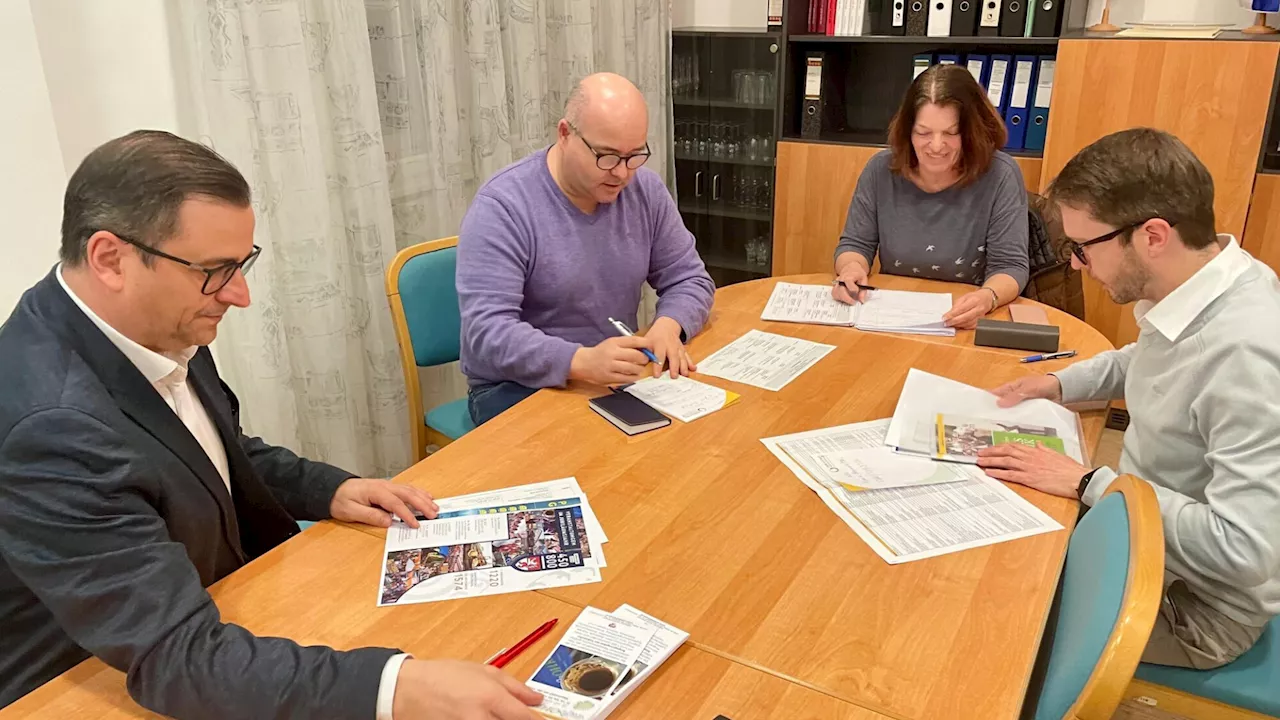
(1175, 312)
(167, 373)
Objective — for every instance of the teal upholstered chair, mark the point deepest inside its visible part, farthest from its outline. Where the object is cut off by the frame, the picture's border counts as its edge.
(1247, 689)
(1111, 593)
(424, 310)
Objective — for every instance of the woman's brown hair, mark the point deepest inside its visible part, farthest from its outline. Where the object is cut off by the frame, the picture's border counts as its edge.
(982, 131)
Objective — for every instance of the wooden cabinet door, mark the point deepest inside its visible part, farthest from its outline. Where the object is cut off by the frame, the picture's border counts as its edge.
(1211, 94)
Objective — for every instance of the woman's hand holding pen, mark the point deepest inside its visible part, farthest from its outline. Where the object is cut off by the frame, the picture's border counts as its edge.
(846, 287)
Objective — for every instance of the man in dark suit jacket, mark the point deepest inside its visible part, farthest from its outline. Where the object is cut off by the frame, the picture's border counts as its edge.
(127, 486)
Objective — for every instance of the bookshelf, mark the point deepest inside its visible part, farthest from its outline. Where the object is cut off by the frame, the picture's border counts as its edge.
(866, 76)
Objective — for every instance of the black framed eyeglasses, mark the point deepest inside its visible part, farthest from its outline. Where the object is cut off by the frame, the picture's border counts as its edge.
(1077, 248)
(215, 278)
(609, 161)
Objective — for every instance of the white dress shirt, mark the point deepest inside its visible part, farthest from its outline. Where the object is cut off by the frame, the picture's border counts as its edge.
(167, 373)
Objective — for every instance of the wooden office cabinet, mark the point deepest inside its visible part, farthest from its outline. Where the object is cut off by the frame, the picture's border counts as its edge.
(1214, 95)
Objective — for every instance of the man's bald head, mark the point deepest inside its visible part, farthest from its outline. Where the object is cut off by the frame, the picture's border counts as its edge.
(605, 98)
(602, 139)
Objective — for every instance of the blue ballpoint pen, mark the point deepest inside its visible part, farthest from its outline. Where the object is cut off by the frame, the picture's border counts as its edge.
(1049, 356)
(622, 329)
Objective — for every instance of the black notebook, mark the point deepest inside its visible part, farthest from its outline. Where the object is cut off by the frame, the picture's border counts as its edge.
(629, 413)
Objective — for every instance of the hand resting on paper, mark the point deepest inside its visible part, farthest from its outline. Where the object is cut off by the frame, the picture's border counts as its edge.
(969, 309)
(665, 336)
(1036, 467)
(454, 690)
(1029, 388)
(373, 502)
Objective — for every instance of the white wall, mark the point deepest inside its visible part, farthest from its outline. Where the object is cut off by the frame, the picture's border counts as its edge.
(719, 13)
(31, 176)
(1206, 11)
(111, 69)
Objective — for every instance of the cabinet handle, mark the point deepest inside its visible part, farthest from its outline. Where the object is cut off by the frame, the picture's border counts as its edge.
(697, 184)
(715, 186)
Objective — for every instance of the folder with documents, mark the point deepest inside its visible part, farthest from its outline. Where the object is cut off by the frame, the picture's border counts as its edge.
(998, 82)
(964, 17)
(1038, 124)
(939, 18)
(1015, 117)
(979, 67)
(1046, 18)
(1013, 18)
(917, 17)
(989, 18)
(919, 64)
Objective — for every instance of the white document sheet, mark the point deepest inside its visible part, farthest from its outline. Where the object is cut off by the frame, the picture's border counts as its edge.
(684, 399)
(813, 304)
(902, 524)
(895, 311)
(924, 397)
(854, 457)
(898, 311)
(764, 359)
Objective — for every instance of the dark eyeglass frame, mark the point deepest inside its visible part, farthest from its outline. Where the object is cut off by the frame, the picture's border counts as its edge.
(209, 273)
(1077, 248)
(602, 158)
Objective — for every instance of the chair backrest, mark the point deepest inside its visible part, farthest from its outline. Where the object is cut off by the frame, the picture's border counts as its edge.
(1051, 280)
(425, 315)
(1111, 590)
(421, 281)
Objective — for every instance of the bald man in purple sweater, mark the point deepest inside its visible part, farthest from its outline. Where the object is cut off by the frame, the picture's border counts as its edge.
(557, 243)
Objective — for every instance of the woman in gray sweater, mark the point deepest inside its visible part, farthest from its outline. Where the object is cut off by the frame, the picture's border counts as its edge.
(942, 202)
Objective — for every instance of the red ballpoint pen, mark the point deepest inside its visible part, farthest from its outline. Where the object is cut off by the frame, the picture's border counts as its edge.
(506, 655)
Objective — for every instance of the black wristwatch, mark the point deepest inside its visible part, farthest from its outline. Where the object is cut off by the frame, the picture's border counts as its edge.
(1083, 487)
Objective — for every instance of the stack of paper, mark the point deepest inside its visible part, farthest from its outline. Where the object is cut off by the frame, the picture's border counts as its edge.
(521, 538)
(895, 311)
(764, 359)
(601, 660)
(684, 399)
(910, 510)
(939, 417)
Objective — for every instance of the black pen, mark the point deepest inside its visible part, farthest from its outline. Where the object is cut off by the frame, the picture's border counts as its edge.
(842, 284)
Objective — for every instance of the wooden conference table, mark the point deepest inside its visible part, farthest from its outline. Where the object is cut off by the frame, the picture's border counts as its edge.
(790, 615)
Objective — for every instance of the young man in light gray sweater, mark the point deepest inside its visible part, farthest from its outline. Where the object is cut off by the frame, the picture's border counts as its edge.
(1202, 384)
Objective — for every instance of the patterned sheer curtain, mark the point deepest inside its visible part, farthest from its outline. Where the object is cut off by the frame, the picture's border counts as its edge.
(284, 89)
(365, 126)
(466, 87)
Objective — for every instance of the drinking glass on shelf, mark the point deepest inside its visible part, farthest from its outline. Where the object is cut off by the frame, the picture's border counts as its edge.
(753, 148)
(753, 192)
(761, 94)
(766, 195)
(751, 251)
(695, 78)
(766, 147)
(717, 140)
(739, 85)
